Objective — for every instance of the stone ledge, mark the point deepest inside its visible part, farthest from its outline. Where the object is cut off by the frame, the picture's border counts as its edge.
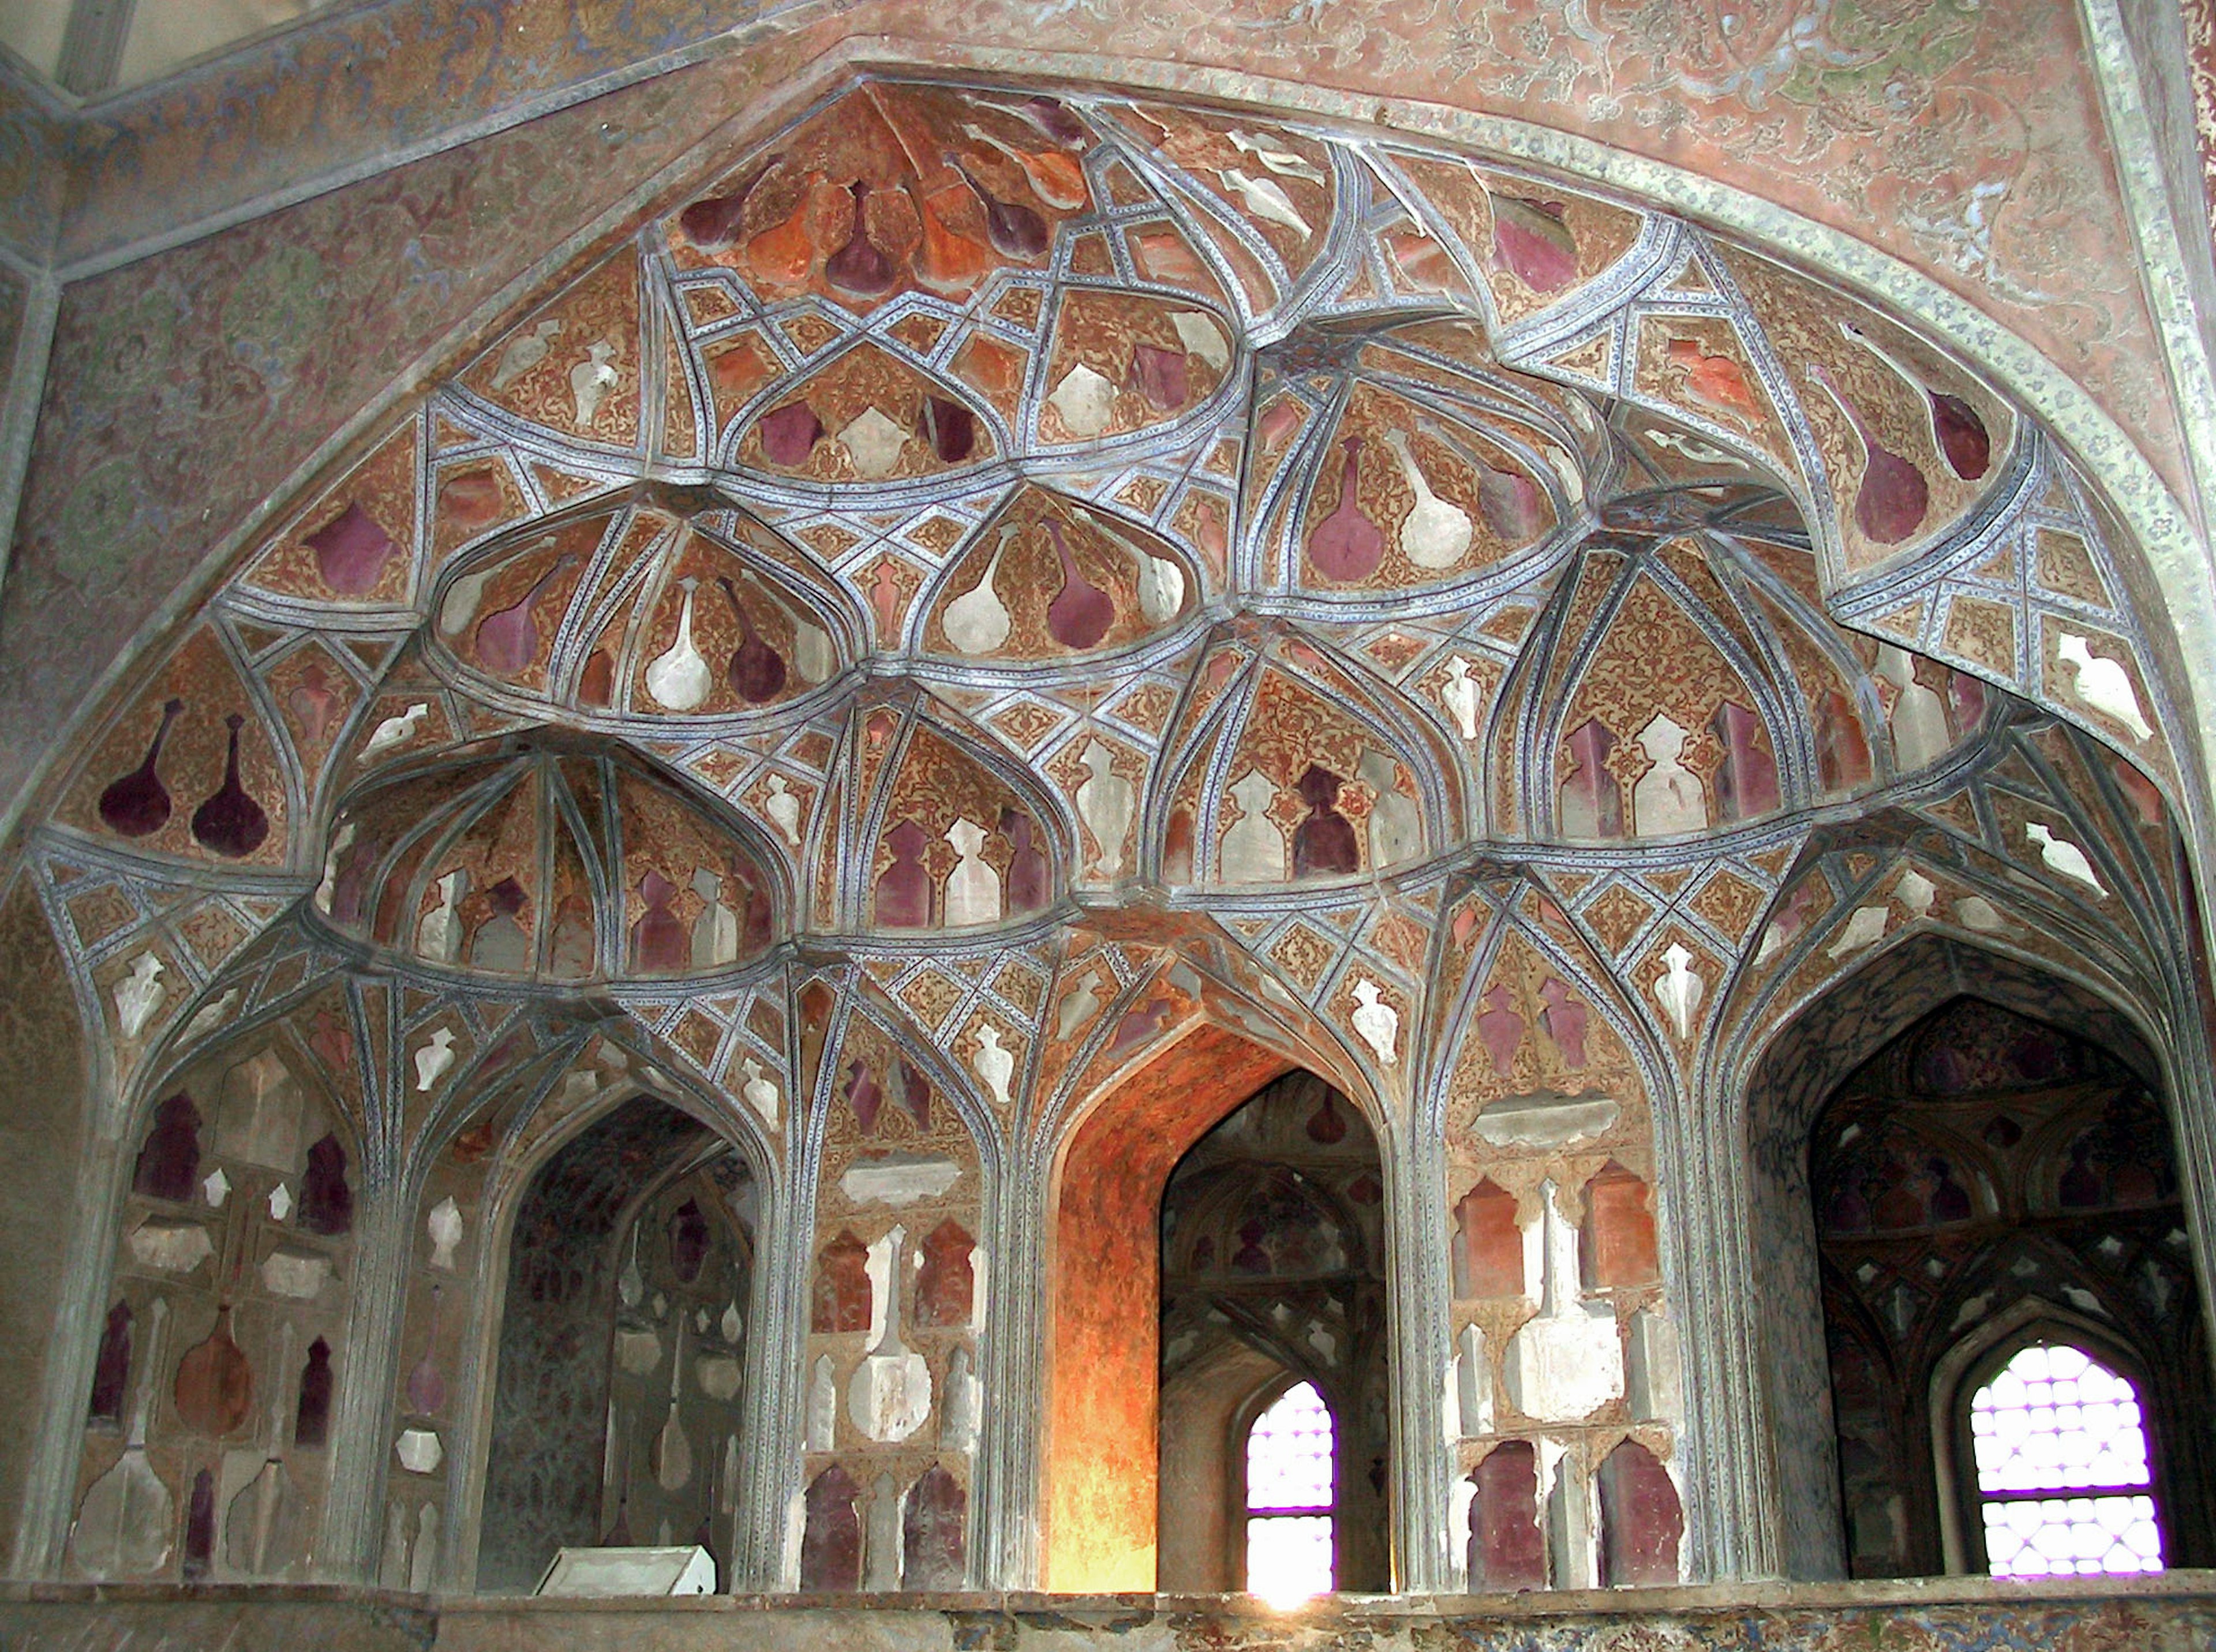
(2172, 1612)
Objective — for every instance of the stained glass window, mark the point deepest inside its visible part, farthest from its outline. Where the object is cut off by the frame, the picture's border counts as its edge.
(2063, 1485)
(1289, 1495)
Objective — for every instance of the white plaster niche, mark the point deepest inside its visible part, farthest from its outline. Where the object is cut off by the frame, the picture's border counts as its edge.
(1470, 1389)
(1568, 1362)
(1656, 1374)
(889, 1396)
(1572, 1560)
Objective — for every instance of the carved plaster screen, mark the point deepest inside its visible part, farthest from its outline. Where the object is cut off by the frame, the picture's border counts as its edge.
(2063, 1478)
(1290, 1451)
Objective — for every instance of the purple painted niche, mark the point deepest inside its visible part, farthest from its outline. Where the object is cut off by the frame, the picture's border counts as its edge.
(311, 1417)
(1028, 874)
(326, 1201)
(1592, 803)
(1324, 841)
(1505, 1547)
(842, 1286)
(688, 1241)
(1640, 1519)
(904, 887)
(660, 943)
(945, 1286)
(169, 1163)
(831, 1547)
(1746, 781)
(111, 1371)
(200, 1527)
(932, 1532)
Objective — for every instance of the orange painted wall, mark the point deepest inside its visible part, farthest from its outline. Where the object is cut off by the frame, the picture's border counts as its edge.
(1104, 1359)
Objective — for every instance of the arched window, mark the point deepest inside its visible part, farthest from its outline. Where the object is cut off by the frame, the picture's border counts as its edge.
(2062, 1480)
(1290, 1488)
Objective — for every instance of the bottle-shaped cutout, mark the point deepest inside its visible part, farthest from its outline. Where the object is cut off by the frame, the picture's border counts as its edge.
(1437, 532)
(950, 427)
(1162, 378)
(111, 1370)
(1513, 506)
(859, 267)
(137, 804)
(756, 671)
(1014, 229)
(259, 1532)
(352, 552)
(215, 1382)
(1049, 115)
(1055, 177)
(1081, 612)
(1324, 841)
(713, 223)
(782, 255)
(200, 1527)
(231, 823)
(945, 260)
(426, 1389)
(1532, 240)
(673, 1452)
(1893, 496)
(126, 1520)
(789, 434)
(314, 702)
(311, 1415)
(1346, 545)
(679, 678)
(977, 621)
(596, 684)
(508, 640)
(1957, 432)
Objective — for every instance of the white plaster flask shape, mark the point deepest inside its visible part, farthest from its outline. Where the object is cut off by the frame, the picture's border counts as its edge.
(1267, 199)
(591, 380)
(1106, 801)
(1084, 400)
(434, 1057)
(139, 995)
(1568, 1362)
(993, 1064)
(1377, 1022)
(889, 1396)
(2103, 684)
(761, 1092)
(679, 678)
(1460, 694)
(396, 731)
(2063, 856)
(444, 1224)
(1436, 532)
(977, 621)
(782, 807)
(973, 888)
(1679, 989)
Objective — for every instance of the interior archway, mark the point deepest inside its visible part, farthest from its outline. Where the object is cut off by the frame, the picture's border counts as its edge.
(620, 1350)
(1101, 1462)
(1273, 1244)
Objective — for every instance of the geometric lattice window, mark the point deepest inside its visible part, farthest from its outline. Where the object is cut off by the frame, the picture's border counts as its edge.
(2063, 1484)
(1289, 1497)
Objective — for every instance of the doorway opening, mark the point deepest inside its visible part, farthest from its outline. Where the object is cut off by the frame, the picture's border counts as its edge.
(1274, 1407)
(622, 1348)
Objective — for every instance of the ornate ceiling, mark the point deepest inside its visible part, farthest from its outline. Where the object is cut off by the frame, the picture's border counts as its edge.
(976, 500)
